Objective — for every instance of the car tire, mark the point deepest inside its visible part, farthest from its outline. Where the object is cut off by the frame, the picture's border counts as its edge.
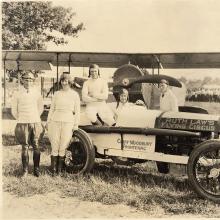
(82, 153)
(163, 167)
(205, 153)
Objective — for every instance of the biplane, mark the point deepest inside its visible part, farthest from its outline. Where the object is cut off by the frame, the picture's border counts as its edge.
(189, 137)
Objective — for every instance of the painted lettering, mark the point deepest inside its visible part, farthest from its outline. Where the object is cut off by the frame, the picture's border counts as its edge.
(140, 148)
(187, 124)
(133, 144)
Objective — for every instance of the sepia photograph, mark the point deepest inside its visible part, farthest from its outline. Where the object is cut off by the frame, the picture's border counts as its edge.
(110, 109)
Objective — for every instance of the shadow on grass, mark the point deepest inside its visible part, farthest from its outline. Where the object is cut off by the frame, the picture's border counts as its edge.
(174, 195)
(108, 172)
(111, 173)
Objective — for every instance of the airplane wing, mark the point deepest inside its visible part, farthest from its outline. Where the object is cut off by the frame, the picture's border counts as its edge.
(39, 60)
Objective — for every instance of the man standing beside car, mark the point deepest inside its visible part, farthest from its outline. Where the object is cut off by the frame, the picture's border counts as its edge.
(168, 101)
(27, 106)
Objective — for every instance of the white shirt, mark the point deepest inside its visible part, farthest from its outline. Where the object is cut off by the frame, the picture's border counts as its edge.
(168, 102)
(95, 90)
(65, 107)
(117, 109)
(26, 106)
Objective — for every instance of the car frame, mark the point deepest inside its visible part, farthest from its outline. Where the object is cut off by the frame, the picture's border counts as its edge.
(141, 134)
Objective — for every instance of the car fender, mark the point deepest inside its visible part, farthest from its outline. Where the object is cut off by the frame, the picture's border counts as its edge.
(210, 141)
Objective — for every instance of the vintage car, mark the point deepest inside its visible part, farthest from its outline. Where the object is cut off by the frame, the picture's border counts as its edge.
(189, 137)
(141, 134)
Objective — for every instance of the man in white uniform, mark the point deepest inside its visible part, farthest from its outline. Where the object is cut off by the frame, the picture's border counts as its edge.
(95, 94)
(27, 106)
(168, 101)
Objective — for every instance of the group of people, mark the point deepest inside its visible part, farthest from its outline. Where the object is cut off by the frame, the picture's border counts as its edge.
(203, 95)
(64, 114)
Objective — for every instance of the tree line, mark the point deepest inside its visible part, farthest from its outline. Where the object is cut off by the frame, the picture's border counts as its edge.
(199, 83)
(29, 25)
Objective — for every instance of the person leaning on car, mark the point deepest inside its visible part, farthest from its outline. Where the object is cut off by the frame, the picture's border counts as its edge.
(62, 120)
(168, 101)
(95, 94)
(27, 106)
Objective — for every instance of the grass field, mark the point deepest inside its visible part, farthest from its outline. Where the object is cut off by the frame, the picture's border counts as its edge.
(139, 186)
(213, 108)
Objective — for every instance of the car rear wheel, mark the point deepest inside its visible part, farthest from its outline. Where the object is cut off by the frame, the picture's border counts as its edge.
(80, 155)
(203, 170)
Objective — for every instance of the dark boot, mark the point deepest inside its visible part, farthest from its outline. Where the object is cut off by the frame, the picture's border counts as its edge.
(36, 159)
(54, 160)
(25, 160)
(60, 164)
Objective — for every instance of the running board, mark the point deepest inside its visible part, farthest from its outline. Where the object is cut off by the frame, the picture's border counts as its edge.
(156, 156)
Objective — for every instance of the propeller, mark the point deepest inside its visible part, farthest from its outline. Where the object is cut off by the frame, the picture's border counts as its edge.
(128, 82)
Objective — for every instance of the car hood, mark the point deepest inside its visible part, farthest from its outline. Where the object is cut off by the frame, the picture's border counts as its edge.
(141, 117)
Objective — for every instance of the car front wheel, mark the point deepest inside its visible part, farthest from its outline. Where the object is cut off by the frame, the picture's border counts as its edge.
(80, 155)
(203, 170)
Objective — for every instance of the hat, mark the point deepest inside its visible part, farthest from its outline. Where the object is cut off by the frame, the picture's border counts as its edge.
(95, 66)
(28, 76)
(123, 91)
(164, 81)
(66, 75)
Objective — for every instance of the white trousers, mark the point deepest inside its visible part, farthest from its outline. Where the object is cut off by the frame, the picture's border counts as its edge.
(102, 109)
(60, 134)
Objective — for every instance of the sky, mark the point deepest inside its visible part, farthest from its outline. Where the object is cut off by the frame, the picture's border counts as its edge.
(146, 26)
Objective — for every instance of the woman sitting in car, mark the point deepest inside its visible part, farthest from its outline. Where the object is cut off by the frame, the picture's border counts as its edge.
(123, 102)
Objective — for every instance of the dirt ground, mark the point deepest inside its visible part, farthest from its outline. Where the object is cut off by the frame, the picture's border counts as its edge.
(54, 206)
